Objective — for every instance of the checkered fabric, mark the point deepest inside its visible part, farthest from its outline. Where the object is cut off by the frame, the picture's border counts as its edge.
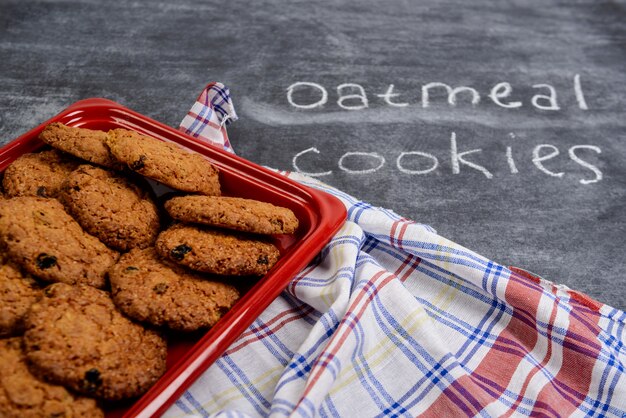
(392, 319)
(210, 113)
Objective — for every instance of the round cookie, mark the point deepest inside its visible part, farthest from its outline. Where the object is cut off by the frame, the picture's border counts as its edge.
(48, 243)
(152, 290)
(37, 174)
(111, 207)
(24, 395)
(87, 144)
(245, 215)
(217, 252)
(17, 294)
(76, 337)
(164, 162)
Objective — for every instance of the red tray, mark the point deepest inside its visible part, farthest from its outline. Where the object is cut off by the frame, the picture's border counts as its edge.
(319, 213)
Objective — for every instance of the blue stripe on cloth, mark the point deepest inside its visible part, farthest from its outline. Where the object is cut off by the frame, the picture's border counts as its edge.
(328, 409)
(195, 404)
(311, 318)
(281, 407)
(378, 395)
(243, 384)
(417, 354)
(197, 126)
(394, 329)
(272, 343)
(301, 364)
(461, 256)
(219, 95)
(345, 273)
(182, 406)
(442, 275)
(482, 333)
(306, 409)
(600, 402)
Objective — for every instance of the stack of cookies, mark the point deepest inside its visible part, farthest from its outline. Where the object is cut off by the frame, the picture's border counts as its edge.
(94, 268)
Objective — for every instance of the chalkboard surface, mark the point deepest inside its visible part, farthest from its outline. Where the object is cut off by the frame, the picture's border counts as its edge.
(500, 124)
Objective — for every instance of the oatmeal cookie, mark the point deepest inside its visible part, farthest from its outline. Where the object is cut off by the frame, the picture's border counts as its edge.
(76, 337)
(245, 215)
(87, 144)
(217, 252)
(17, 293)
(37, 174)
(111, 207)
(48, 243)
(164, 162)
(22, 395)
(153, 290)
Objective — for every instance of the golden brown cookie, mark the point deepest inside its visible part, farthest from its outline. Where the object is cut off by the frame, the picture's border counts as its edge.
(152, 290)
(37, 174)
(87, 144)
(48, 243)
(245, 215)
(23, 395)
(164, 162)
(111, 207)
(76, 337)
(17, 293)
(216, 252)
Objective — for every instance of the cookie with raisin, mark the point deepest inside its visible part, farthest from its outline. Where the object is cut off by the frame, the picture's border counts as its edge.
(76, 337)
(216, 251)
(152, 290)
(23, 394)
(38, 174)
(45, 241)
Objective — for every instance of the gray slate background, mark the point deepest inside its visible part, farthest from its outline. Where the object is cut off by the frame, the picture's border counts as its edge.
(155, 56)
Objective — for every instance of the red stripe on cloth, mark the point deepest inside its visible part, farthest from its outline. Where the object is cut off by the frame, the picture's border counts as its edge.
(205, 120)
(536, 369)
(573, 380)
(495, 390)
(501, 361)
(525, 274)
(412, 262)
(204, 96)
(397, 242)
(586, 301)
(464, 397)
(345, 328)
(271, 327)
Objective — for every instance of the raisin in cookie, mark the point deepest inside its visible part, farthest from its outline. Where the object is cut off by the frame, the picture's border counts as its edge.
(152, 290)
(48, 243)
(164, 162)
(24, 395)
(76, 337)
(87, 144)
(217, 252)
(245, 215)
(111, 207)
(37, 174)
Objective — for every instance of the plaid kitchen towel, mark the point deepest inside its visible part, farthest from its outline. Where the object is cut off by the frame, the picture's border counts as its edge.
(391, 319)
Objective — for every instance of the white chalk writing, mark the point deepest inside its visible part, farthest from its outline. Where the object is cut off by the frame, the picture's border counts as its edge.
(354, 96)
(417, 162)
